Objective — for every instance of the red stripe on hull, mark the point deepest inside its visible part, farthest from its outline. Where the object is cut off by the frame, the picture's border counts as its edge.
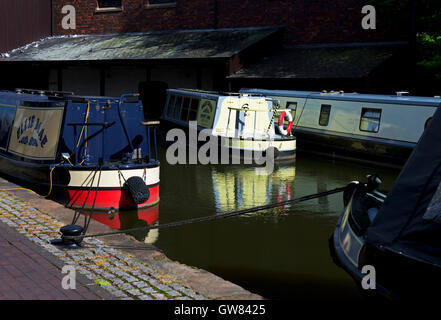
(106, 199)
(123, 220)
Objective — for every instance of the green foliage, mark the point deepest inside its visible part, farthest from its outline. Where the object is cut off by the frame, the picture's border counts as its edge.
(429, 47)
(102, 282)
(427, 15)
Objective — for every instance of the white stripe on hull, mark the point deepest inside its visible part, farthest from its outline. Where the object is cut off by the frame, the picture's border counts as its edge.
(112, 178)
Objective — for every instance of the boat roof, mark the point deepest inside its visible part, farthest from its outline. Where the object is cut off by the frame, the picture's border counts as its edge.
(409, 222)
(48, 96)
(209, 94)
(343, 96)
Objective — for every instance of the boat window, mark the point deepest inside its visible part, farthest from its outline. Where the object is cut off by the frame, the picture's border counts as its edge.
(292, 106)
(193, 109)
(178, 105)
(185, 108)
(325, 111)
(370, 119)
(171, 105)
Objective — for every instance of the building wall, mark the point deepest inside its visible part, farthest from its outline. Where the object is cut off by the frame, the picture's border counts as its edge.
(306, 21)
(120, 79)
(23, 21)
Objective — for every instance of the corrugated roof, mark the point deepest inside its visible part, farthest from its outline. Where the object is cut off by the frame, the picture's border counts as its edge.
(319, 62)
(219, 43)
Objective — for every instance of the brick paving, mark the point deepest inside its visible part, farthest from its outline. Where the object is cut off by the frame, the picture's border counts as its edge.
(30, 267)
(25, 273)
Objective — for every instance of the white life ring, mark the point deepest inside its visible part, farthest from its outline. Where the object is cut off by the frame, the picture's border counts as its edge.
(282, 116)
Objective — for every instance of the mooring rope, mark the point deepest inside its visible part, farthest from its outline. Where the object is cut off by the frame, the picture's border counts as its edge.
(222, 216)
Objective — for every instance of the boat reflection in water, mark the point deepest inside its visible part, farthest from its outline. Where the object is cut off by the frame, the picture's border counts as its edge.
(122, 220)
(238, 187)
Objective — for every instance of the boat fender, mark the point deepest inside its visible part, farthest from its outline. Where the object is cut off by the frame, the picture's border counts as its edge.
(282, 116)
(273, 152)
(136, 189)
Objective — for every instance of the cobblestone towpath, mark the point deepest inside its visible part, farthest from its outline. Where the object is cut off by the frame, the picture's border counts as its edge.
(31, 267)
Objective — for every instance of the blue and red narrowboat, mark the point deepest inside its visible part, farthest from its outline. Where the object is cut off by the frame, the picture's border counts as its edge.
(90, 152)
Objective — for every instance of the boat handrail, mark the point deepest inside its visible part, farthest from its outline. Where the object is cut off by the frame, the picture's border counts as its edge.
(150, 123)
(104, 124)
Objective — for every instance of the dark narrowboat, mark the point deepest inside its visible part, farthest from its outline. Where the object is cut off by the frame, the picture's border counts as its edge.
(87, 151)
(398, 235)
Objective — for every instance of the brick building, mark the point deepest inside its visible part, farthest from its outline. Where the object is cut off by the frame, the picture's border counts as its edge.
(125, 45)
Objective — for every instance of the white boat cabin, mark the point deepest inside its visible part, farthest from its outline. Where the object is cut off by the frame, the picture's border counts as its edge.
(396, 119)
(230, 115)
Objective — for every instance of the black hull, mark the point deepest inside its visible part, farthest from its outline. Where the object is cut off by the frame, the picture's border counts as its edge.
(397, 277)
(352, 148)
(30, 175)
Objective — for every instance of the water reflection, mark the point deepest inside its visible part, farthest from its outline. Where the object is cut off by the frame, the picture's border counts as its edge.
(275, 253)
(122, 220)
(238, 187)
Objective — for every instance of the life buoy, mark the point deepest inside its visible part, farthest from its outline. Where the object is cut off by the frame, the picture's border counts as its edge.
(280, 123)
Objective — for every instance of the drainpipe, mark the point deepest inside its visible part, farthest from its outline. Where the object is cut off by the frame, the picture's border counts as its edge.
(52, 18)
(215, 22)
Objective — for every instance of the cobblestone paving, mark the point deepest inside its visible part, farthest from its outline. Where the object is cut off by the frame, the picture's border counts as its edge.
(117, 272)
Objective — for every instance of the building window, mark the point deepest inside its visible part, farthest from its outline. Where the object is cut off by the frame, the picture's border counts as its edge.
(110, 4)
(325, 111)
(292, 106)
(370, 119)
(160, 3)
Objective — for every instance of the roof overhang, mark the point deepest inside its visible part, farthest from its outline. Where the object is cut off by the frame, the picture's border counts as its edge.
(170, 45)
(321, 62)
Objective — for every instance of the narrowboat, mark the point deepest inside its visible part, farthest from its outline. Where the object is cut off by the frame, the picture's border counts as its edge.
(398, 235)
(380, 129)
(244, 124)
(90, 152)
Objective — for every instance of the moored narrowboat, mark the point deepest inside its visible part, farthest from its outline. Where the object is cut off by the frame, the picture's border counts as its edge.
(89, 152)
(396, 236)
(244, 124)
(380, 129)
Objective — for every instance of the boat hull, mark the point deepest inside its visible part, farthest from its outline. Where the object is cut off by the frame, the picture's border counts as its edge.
(78, 187)
(373, 151)
(397, 276)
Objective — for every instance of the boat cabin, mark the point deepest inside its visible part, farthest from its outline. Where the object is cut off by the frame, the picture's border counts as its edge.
(230, 115)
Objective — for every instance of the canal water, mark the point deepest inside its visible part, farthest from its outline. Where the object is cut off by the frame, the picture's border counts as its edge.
(281, 253)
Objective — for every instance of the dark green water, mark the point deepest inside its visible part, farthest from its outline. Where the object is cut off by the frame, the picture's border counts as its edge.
(280, 254)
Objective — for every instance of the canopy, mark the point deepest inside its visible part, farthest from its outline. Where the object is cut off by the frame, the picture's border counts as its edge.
(403, 225)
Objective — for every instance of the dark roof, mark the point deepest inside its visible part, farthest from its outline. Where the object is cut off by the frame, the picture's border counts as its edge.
(219, 43)
(316, 62)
